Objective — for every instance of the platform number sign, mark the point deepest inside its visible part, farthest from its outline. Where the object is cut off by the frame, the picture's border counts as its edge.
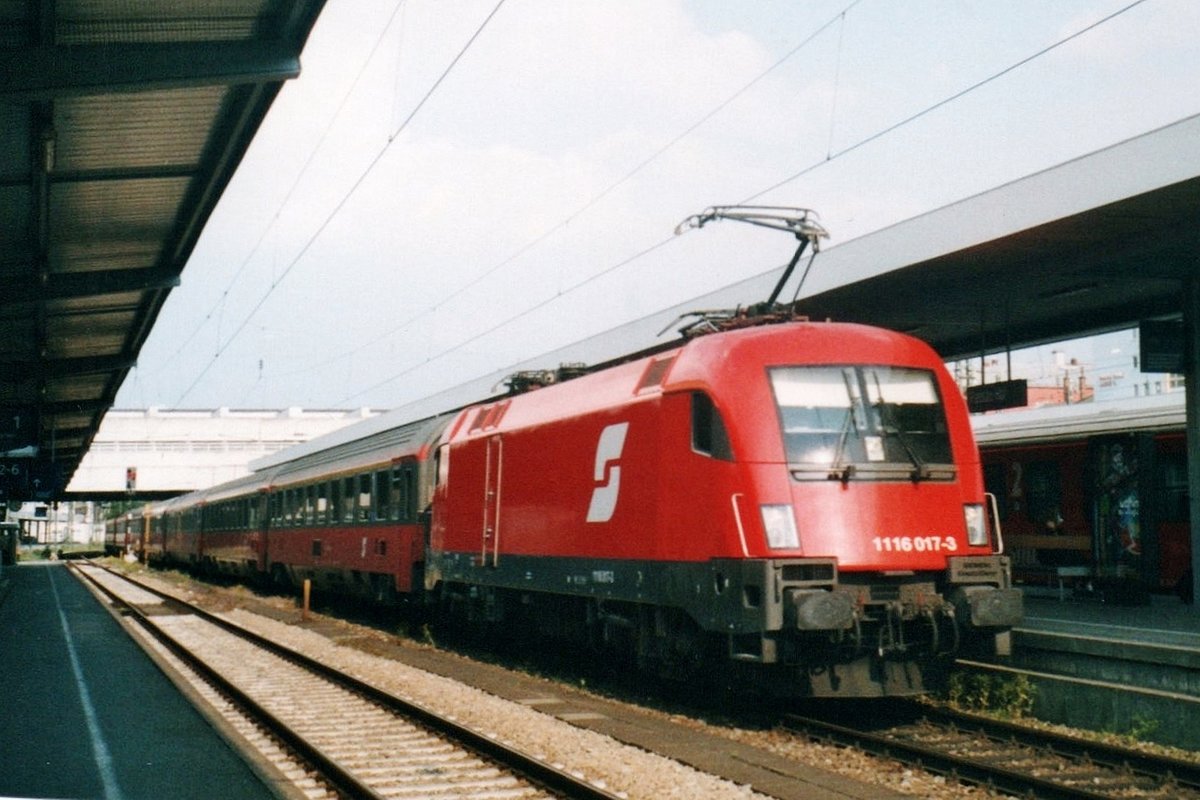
(16, 428)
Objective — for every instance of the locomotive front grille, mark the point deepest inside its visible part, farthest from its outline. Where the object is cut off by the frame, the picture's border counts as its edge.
(808, 573)
(882, 594)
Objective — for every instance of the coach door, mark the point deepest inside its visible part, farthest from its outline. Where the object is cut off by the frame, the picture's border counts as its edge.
(490, 546)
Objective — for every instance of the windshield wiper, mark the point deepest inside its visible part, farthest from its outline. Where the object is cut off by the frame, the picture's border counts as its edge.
(921, 470)
(838, 471)
(888, 424)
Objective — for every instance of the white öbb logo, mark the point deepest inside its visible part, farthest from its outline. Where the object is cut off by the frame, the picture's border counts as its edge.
(608, 449)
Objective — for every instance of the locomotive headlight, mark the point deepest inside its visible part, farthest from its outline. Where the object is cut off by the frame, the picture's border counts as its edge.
(977, 534)
(780, 526)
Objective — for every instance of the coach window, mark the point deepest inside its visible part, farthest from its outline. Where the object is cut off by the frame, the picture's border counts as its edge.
(383, 495)
(1043, 486)
(330, 489)
(410, 482)
(327, 502)
(310, 504)
(1174, 481)
(349, 495)
(399, 498)
(708, 429)
(364, 497)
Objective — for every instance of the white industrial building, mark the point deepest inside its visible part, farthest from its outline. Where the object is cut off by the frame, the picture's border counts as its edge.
(157, 451)
(177, 450)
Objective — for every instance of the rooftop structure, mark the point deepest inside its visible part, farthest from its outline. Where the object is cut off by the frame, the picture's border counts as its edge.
(157, 451)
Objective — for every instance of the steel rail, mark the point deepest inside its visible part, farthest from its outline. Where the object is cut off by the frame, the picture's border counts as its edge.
(339, 779)
(979, 771)
(539, 772)
(1117, 757)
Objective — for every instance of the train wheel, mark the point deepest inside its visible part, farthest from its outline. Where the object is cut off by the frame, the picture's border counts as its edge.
(670, 644)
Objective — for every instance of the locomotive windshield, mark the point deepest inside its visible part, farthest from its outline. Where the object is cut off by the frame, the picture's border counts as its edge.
(868, 422)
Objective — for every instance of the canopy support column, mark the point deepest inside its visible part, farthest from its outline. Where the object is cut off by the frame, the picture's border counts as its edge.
(1191, 315)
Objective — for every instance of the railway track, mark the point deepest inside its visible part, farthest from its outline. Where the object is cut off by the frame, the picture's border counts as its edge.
(1012, 758)
(356, 740)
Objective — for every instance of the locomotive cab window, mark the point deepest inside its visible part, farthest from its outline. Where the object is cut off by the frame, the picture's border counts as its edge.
(862, 422)
(709, 436)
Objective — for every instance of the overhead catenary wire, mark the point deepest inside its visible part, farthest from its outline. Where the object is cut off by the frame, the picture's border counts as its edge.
(343, 201)
(944, 102)
(832, 157)
(218, 307)
(585, 207)
(536, 307)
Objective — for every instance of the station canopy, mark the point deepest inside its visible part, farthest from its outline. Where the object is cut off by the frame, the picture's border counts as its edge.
(1102, 242)
(120, 126)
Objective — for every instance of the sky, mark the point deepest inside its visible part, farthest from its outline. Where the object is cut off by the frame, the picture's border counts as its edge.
(453, 187)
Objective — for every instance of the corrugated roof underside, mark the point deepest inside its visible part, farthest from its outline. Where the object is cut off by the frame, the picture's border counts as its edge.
(120, 124)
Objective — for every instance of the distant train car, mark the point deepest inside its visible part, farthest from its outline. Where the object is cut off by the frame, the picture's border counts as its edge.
(1100, 487)
(233, 523)
(176, 530)
(352, 519)
(127, 533)
(800, 500)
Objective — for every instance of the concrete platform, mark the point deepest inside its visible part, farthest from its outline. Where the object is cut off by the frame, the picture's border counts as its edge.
(1165, 621)
(84, 713)
(1132, 670)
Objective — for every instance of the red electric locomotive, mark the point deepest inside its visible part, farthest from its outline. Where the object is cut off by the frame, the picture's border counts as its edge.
(803, 497)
